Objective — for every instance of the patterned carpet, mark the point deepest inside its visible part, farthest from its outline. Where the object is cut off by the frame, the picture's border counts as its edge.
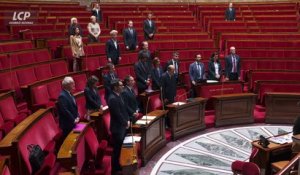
(213, 153)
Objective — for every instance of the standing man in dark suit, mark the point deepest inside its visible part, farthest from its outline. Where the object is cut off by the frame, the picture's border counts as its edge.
(232, 66)
(156, 74)
(149, 28)
(119, 122)
(230, 13)
(175, 62)
(130, 37)
(145, 52)
(214, 67)
(67, 107)
(113, 48)
(168, 84)
(130, 99)
(96, 11)
(142, 72)
(107, 78)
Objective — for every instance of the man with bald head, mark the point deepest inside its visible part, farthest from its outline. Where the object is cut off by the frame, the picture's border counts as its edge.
(232, 65)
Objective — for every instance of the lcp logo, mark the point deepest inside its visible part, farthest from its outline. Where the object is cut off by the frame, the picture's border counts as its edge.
(21, 17)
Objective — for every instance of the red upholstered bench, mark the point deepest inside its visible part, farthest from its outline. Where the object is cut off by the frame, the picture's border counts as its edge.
(12, 46)
(39, 128)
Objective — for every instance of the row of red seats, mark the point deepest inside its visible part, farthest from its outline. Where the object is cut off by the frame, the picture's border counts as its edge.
(10, 116)
(17, 78)
(44, 94)
(12, 46)
(20, 58)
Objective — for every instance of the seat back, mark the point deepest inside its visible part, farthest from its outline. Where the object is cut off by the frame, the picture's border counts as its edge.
(250, 168)
(154, 103)
(40, 95)
(8, 109)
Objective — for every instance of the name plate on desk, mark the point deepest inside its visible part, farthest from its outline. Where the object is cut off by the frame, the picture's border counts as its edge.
(79, 127)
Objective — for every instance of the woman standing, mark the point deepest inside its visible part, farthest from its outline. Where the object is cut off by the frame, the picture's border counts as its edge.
(214, 67)
(94, 30)
(77, 48)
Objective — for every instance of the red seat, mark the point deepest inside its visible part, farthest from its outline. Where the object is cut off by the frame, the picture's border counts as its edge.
(80, 101)
(40, 98)
(26, 76)
(5, 127)
(154, 103)
(59, 68)
(43, 72)
(9, 111)
(80, 82)
(96, 152)
(54, 88)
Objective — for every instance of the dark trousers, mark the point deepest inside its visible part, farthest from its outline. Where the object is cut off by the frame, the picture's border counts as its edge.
(132, 46)
(92, 39)
(117, 146)
(115, 61)
(233, 76)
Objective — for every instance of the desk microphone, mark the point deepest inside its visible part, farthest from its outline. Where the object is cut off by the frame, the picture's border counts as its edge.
(179, 96)
(147, 105)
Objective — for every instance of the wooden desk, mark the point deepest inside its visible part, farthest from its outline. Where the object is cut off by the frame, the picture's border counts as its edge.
(187, 118)
(265, 156)
(207, 90)
(234, 108)
(67, 154)
(282, 107)
(152, 135)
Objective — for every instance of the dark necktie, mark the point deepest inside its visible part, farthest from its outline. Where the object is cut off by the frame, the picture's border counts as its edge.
(233, 64)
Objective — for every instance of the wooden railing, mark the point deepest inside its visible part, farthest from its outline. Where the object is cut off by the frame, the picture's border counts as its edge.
(290, 166)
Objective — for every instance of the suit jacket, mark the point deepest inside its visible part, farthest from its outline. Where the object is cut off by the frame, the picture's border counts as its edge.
(195, 73)
(111, 50)
(228, 65)
(149, 29)
(170, 62)
(142, 72)
(72, 30)
(230, 15)
(130, 101)
(212, 70)
(118, 113)
(130, 40)
(156, 78)
(168, 85)
(67, 111)
(107, 83)
(97, 15)
(296, 127)
(92, 99)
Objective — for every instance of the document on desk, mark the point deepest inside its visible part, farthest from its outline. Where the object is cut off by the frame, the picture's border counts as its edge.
(130, 139)
(148, 117)
(178, 103)
(142, 122)
(282, 139)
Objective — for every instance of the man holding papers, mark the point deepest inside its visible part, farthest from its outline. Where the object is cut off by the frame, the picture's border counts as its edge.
(119, 122)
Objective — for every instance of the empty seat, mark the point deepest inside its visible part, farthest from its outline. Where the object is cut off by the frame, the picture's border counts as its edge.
(43, 72)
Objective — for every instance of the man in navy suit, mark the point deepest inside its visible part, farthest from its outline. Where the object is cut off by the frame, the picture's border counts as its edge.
(149, 28)
(113, 48)
(156, 74)
(142, 72)
(230, 13)
(130, 37)
(107, 78)
(197, 71)
(145, 52)
(168, 84)
(175, 62)
(232, 66)
(119, 122)
(67, 107)
(96, 11)
(130, 99)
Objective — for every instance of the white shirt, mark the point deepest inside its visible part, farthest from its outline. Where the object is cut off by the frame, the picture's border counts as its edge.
(216, 68)
(115, 43)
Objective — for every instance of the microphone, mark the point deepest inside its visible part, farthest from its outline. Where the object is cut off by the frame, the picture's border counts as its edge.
(182, 95)
(162, 99)
(147, 105)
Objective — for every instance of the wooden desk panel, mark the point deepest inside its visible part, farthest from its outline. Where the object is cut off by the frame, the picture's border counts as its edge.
(234, 108)
(264, 156)
(152, 135)
(282, 107)
(187, 118)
